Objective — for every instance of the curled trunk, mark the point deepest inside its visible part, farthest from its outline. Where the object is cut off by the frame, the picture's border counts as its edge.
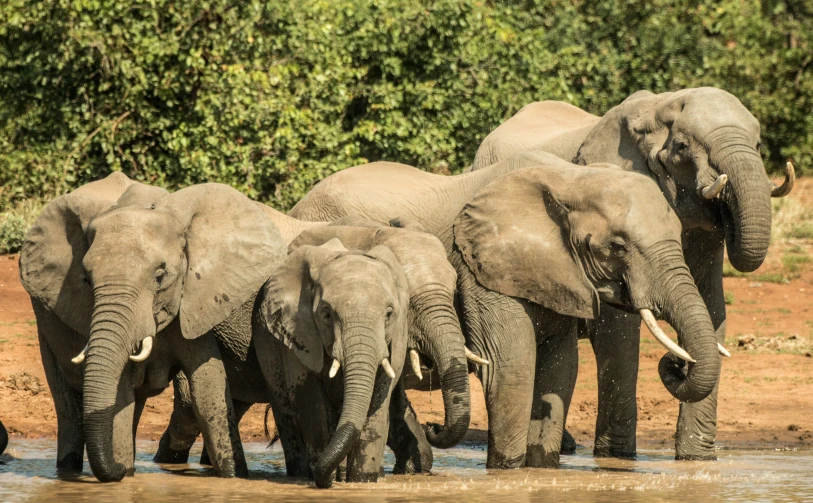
(359, 367)
(684, 309)
(446, 347)
(747, 205)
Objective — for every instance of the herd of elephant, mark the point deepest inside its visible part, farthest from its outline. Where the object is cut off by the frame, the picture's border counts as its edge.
(566, 226)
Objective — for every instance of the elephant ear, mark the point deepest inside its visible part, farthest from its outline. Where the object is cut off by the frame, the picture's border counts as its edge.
(232, 247)
(514, 237)
(290, 299)
(51, 257)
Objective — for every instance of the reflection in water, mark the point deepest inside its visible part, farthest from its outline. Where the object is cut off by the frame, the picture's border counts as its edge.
(29, 475)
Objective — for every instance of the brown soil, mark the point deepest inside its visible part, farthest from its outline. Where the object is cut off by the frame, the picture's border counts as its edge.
(765, 394)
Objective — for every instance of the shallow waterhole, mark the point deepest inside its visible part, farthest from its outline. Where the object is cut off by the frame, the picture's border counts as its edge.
(27, 473)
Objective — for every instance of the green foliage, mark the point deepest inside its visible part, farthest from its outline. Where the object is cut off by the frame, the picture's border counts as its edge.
(729, 298)
(270, 97)
(14, 225)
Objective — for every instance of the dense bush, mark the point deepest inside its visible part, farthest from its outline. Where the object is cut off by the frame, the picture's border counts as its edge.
(273, 96)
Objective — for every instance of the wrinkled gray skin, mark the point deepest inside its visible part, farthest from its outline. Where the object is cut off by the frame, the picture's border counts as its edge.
(329, 303)
(434, 331)
(116, 262)
(683, 141)
(3, 438)
(534, 250)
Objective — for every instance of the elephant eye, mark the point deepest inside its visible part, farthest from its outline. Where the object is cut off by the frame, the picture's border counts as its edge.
(326, 314)
(617, 247)
(389, 315)
(681, 145)
(160, 274)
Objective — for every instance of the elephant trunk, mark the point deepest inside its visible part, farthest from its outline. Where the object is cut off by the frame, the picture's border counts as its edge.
(360, 367)
(446, 348)
(747, 200)
(684, 309)
(108, 353)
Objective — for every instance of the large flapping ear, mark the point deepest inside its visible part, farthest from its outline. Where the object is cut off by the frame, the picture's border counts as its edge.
(514, 237)
(626, 134)
(290, 301)
(232, 247)
(51, 258)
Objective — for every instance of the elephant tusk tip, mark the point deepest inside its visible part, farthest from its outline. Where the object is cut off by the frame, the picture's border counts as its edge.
(671, 346)
(334, 368)
(81, 356)
(713, 190)
(415, 361)
(146, 349)
(723, 351)
(385, 363)
(475, 358)
(790, 178)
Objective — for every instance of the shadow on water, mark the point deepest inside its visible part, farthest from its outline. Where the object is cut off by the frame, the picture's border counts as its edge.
(29, 474)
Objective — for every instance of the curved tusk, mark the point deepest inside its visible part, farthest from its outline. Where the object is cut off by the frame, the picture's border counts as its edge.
(713, 190)
(81, 356)
(415, 361)
(474, 358)
(790, 178)
(653, 327)
(334, 368)
(388, 368)
(146, 349)
(723, 351)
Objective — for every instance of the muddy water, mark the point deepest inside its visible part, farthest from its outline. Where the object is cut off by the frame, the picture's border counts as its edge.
(29, 475)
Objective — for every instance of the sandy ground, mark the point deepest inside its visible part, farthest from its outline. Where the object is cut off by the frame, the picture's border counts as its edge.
(766, 395)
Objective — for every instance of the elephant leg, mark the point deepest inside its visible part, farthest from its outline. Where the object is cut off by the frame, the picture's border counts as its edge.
(615, 337)
(556, 370)
(568, 444)
(183, 428)
(67, 402)
(240, 409)
(697, 422)
(212, 403)
(413, 454)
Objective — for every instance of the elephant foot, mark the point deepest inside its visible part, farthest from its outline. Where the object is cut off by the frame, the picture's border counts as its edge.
(70, 464)
(696, 455)
(364, 477)
(539, 457)
(605, 448)
(568, 444)
(169, 456)
(499, 461)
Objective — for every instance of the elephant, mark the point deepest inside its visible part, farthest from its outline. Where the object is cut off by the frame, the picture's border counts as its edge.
(3, 438)
(327, 304)
(434, 335)
(701, 146)
(141, 278)
(536, 247)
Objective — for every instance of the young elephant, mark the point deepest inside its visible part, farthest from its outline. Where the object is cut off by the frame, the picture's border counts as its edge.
(434, 334)
(140, 278)
(329, 309)
(536, 249)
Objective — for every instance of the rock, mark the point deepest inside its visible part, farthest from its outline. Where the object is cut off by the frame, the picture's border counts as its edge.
(794, 427)
(746, 340)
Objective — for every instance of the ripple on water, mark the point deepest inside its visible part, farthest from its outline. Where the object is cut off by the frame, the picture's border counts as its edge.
(740, 475)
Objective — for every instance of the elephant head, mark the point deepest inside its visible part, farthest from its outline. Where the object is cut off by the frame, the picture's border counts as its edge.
(328, 304)
(118, 261)
(702, 146)
(568, 238)
(434, 328)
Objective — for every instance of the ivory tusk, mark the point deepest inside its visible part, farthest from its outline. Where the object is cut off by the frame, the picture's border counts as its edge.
(146, 349)
(388, 368)
(723, 351)
(334, 368)
(790, 178)
(81, 356)
(653, 327)
(415, 361)
(713, 190)
(474, 358)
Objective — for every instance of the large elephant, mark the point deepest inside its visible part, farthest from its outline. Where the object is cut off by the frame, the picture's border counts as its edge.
(536, 249)
(434, 335)
(701, 146)
(329, 309)
(140, 278)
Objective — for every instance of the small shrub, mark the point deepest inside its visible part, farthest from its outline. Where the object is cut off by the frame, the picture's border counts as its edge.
(729, 298)
(14, 225)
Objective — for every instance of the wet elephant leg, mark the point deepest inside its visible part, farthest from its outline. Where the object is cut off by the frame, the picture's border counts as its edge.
(615, 337)
(697, 422)
(557, 361)
(67, 400)
(183, 427)
(413, 454)
(240, 409)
